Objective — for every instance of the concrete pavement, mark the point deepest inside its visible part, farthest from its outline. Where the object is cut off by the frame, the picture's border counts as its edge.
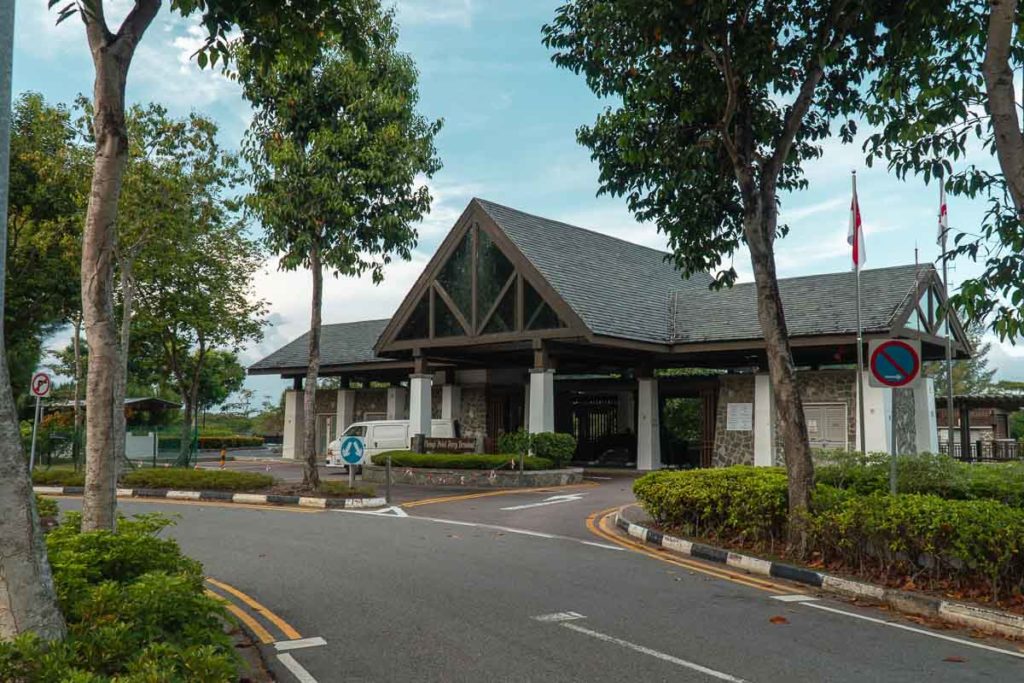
(421, 598)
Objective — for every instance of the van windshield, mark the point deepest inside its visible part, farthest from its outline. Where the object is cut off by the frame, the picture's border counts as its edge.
(355, 430)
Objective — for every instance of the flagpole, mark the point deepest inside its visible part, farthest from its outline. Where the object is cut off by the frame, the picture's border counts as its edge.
(944, 229)
(860, 342)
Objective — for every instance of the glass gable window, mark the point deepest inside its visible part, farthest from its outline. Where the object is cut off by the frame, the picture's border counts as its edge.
(493, 271)
(537, 315)
(504, 318)
(445, 322)
(418, 324)
(457, 276)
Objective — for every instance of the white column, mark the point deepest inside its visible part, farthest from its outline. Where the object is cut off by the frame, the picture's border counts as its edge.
(626, 412)
(648, 428)
(764, 422)
(346, 410)
(398, 406)
(924, 416)
(293, 419)
(419, 404)
(542, 401)
(877, 418)
(451, 402)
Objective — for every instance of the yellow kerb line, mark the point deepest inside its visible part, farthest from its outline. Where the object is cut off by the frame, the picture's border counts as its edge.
(253, 625)
(602, 529)
(488, 494)
(286, 628)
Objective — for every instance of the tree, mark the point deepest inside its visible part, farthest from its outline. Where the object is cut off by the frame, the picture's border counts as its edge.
(945, 83)
(199, 298)
(49, 177)
(221, 376)
(336, 148)
(970, 376)
(27, 597)
(267, 29)
(717, 105)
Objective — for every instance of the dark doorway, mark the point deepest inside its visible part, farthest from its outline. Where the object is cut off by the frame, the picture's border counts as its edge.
(682, 432)
(504, 414)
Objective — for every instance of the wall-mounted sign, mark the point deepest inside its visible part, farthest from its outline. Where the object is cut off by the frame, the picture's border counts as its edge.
(739, 417)
(449, 445)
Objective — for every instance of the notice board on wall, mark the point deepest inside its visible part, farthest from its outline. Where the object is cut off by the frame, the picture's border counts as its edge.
(739, 417)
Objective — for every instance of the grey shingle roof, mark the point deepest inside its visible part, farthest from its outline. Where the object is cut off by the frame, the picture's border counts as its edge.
(617, 288)
(814, 305)
(340, 344)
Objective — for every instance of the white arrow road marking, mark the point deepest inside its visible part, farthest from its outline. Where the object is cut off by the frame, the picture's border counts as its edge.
(796, 597)
(285, 645)
(553, 500)
(297, 669)
(566, 619)
(393, 511)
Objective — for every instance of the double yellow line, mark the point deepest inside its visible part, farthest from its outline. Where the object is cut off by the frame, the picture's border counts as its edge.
(488, 494)
(601, 524)
(254, 624)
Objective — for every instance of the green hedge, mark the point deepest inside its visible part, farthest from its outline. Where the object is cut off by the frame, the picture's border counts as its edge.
(926, 473)
(555, 446)
(214, 442)
(135, 611)
(936, 541)
(460, 461)
(58, 476)
(47, 507)
(195, 480)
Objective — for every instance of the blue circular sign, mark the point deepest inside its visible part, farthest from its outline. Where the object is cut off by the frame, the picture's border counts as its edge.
(352, 448)
(895, 363)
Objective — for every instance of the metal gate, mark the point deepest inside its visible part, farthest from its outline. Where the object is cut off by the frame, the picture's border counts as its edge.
(593, 420)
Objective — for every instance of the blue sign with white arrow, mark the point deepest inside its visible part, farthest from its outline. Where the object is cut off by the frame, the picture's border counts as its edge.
(352, 450)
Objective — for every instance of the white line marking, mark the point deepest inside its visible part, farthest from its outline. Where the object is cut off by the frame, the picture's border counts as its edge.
(796, 597)
(386, 512)
(285, 645)
(552, 500)
(297, 669)
(606, 546)
(693, 666)
(921, 631)
(559, 617)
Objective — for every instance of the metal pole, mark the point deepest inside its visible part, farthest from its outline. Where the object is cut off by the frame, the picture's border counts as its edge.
(860, 349)
(892, 439)
(35, 429)
(949, 351)
(387, 480)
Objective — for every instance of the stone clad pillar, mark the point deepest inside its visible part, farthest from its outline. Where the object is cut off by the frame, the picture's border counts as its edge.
(293, 419)
(648, 427)
(346, 410)
(398, 406)
(420, 386)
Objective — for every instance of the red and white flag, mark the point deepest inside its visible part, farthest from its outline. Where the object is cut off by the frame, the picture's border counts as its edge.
(855, 237)
(943, 217)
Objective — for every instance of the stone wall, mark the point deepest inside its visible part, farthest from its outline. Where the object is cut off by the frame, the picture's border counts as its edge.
(377, 474)
(903, 410)
(474, 412)
(435, 401)
(326, 401)
(370, 401)
(733, 448)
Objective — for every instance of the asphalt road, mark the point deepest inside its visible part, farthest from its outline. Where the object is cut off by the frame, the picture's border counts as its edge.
(418, 599)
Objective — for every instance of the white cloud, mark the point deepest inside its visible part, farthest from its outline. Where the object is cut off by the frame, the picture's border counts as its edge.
(457, 12)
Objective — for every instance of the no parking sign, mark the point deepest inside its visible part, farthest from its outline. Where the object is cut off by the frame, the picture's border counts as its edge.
(894, 363)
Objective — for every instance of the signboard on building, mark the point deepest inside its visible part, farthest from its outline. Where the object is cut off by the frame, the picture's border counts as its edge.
(739, 417)
(449, 445)
(894, 363)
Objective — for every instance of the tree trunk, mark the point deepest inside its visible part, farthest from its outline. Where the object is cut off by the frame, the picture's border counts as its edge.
(186, 428)
(759, 227)
(99, 502)
(1002, 100)
(121, 384)
(310, 473)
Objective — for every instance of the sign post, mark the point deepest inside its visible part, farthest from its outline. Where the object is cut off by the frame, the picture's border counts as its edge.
(352, 451)
(40, 387)
(894, 364)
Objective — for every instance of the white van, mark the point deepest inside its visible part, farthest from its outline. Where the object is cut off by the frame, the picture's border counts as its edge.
(383, 435)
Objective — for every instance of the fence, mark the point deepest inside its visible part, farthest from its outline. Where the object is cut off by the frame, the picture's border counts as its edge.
(984, 451)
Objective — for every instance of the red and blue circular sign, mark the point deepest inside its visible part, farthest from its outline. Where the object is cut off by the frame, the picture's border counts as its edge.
(895, 363)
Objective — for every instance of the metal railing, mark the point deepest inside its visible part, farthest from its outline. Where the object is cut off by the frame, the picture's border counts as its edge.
(985, 451)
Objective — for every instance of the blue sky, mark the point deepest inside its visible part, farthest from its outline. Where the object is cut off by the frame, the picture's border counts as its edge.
(509, 136)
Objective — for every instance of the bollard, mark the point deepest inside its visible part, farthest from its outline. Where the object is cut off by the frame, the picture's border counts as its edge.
(387, 481)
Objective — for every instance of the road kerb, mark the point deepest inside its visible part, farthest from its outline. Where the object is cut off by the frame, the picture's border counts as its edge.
(226, 497)
(972, 616)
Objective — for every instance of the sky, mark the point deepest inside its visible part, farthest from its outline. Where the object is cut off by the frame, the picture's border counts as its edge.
(510, 118)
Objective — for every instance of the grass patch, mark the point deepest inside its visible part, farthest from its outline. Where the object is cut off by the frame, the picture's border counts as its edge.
(196, 480)
(460, 461)
(341, 489)
(58, 476)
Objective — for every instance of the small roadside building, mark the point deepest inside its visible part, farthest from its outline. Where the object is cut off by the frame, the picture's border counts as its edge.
(519, 321)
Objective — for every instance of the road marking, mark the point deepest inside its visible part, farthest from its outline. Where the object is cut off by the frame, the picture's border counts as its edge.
(552, 500)
(796, 597)
(285, 645)
(254, 626)
(297, 669)
(597, 477)
(393, 511)
(489, 494)
(566, 619)
(921, 631)
(286, 628)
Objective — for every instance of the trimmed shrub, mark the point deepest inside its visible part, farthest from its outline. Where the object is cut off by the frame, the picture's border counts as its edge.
(195, 480)
(460, 461)
(58, 476)
(135, 611)
(47, 507)
(214, 443)
(555, 446)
